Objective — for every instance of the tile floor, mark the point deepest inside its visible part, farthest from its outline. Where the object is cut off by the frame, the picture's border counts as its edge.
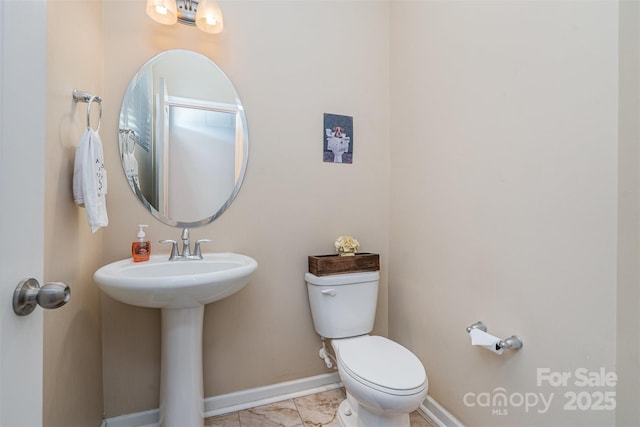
(316, 410)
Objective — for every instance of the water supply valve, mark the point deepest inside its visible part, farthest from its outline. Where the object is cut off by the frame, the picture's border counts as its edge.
(324, 354)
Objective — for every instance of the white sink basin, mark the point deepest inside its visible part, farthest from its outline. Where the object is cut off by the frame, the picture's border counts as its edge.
(180, 289)
(160, 283)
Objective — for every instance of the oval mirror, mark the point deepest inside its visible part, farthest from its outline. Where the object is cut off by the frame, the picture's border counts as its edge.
(183, 138)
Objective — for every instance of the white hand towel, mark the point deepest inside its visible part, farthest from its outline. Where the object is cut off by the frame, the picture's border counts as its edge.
(90, 179)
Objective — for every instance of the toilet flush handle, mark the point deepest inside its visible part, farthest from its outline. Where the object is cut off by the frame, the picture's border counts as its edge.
(329, 292)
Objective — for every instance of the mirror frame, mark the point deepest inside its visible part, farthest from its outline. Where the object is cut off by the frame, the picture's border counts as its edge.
(122, 126)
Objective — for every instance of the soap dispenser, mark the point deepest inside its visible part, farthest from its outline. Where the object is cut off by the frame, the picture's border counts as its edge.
(141, 247)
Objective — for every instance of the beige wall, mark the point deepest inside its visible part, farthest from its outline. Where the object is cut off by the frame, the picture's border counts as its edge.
(504, 196)
(72, 343)
(290, 62)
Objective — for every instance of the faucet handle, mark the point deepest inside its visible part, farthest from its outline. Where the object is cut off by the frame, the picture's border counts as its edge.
(174, 248)
(196, 249)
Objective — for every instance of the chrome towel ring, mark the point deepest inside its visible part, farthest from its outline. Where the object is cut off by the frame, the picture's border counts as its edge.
(90, 99)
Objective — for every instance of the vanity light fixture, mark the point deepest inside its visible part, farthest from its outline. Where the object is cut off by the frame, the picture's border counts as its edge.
(204, 14)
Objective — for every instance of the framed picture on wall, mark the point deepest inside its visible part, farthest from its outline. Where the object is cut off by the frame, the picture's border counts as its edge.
(338, 139)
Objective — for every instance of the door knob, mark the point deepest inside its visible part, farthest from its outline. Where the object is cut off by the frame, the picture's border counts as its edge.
(29, 294)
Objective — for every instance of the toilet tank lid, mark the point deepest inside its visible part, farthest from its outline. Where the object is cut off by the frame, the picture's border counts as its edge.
(341, 279)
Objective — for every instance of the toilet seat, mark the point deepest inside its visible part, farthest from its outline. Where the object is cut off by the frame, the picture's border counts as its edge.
(381, 364)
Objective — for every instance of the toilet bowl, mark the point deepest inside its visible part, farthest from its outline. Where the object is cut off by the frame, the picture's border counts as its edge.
(384, 382)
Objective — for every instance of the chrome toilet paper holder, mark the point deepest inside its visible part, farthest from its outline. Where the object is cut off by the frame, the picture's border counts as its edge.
(512, 343)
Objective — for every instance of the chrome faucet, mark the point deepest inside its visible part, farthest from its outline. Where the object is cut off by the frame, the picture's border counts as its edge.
(186, 245)
(186, 248)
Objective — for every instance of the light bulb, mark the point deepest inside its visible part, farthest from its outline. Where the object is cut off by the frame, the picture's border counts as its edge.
(209, 17)
(162, 11)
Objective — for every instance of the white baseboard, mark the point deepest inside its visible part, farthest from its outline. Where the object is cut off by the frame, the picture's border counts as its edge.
(438, 414)
(239, 400)
(259, 396)
(138, 419)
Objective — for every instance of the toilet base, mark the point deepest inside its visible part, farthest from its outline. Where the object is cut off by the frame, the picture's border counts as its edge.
(351, 414)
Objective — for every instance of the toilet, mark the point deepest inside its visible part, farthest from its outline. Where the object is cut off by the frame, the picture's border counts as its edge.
(384, 381)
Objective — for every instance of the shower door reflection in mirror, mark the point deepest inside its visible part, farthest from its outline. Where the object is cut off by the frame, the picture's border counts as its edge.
(200, 144)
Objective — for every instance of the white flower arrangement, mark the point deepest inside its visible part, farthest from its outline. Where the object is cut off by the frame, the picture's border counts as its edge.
(347, 245)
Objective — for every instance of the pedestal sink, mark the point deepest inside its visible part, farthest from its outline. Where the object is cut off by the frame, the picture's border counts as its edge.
(180, 289)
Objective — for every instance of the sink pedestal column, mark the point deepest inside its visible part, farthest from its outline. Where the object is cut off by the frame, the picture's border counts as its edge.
(181, 382)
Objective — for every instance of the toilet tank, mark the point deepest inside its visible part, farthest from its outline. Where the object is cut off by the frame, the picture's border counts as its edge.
(343, 305)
